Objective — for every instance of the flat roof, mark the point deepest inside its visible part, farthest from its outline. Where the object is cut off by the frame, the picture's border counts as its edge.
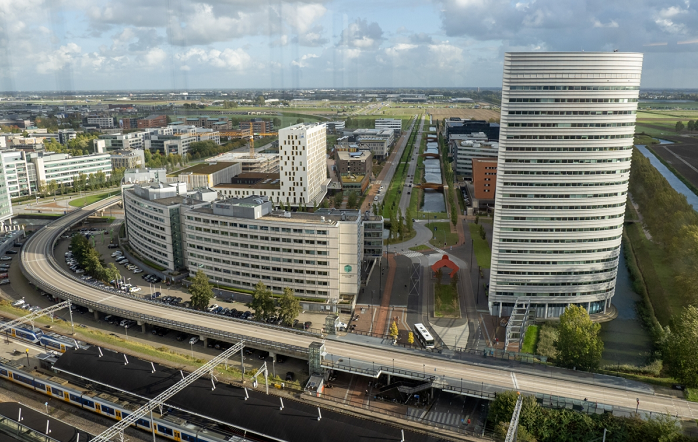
(352, 178)
(204, 168)
(264, 181)
(260, 413)
(36, 420)
(346, 155)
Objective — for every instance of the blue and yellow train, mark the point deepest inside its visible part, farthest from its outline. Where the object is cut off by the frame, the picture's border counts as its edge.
(173, 428)
(48, 340)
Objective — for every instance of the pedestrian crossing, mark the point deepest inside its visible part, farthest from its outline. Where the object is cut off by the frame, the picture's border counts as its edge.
(438, 250)
(411, 254)
(444, 417)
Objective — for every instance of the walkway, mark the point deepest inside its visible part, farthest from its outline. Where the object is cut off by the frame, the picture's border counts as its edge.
(380, 322)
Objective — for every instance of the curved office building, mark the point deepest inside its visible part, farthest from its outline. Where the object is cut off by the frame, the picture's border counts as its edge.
(566, 140)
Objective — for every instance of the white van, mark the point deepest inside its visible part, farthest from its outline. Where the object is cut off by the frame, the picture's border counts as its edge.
(375, 198)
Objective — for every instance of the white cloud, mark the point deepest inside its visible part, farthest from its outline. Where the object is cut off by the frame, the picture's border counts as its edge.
(303, 61)
(58, 59)
(154, 57)
(234, 59)
(610, 24)
(362, 35)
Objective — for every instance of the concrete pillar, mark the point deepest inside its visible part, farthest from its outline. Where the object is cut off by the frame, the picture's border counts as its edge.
(589, 307)
(272, 356)
(546, 310)
(388, 380)
(605, 305)
(96, 313)
(143, 330)
(500, 309)
(205, 341)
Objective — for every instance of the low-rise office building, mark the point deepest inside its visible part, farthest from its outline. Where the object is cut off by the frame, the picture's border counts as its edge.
(206, 122)
(64, 168)
(455, 125)
(359, 162)
(389, 123)
(464, 151)
(127, 159)
(259, 163)
(207, 174)
(65, 135)
(98, 122)
(335, 127)
(377, 141)
(484, 184)
(258, 125)
(133, 140)
(145, 175)
(239, 242)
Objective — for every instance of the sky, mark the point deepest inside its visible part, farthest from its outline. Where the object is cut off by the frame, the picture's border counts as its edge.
(78, 45)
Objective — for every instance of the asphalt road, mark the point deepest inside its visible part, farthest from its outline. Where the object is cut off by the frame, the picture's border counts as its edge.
(37, 265)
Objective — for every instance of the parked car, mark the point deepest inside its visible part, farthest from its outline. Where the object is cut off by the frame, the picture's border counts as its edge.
(307, 325)
(212, 307)
(18, 302)
(112, 246)
(12, 252)
(193, 340)
(5, 258)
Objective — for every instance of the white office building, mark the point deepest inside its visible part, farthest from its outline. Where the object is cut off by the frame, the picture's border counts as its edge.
(464, 150)
(132, 140)
(302, 164)
(566, 140)
(389, 123)
(64, 168)
(65, 135)
(239, 242)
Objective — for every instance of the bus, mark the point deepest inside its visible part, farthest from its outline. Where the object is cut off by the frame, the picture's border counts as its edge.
(424, 336)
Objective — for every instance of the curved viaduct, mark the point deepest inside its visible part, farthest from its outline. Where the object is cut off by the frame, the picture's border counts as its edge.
(40, 267)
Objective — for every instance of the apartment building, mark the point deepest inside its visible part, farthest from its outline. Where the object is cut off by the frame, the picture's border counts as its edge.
(206, 122)
(302, 164)
(98, 122)
(258, 125)
(567, 127)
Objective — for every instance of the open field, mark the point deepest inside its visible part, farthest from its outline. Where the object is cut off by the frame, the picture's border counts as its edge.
(442, 234)
(86, 200)
(685, 149)
(475, 114)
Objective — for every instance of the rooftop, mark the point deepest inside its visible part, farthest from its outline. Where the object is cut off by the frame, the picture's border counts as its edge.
(351, 178)
(60, 431)
(203, 168)
(359, 155)
(253, 181)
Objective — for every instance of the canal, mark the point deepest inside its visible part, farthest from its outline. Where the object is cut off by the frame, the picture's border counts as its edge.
(433, 199)
(666, 173)
(626, 340)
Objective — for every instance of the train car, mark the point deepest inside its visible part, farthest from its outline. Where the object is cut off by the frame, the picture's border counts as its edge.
(32, 336)
(168, 427)
(56, 342)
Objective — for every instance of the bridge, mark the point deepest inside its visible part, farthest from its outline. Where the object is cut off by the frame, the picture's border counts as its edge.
(435, 186)
(430, 155)
(365, 357)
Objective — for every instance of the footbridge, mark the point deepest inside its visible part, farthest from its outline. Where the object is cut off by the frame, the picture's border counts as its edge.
(331, 352)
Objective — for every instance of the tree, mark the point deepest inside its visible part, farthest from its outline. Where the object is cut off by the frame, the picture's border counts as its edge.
(691, 125)
(325, 204)
(482, 232)
(408, 219)
(454, 279)
(352, 199)
(259, 100)
(679, 126)
(289, 306)
(201, 291)
(477, 219)
(680, 346)
(51, 187)
(578, 343)
(338, 198)
(393, 332)
(262, 302)
(410, 338)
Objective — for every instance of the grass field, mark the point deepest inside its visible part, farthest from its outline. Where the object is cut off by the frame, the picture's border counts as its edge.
(420, 248)
(87, 200)
(442, 234)
(530, 340)
(481, 247)
(475, 114)
(446, 301)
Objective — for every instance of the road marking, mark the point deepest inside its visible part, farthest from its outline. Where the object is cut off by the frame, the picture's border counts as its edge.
(106, 299)
(513, 378)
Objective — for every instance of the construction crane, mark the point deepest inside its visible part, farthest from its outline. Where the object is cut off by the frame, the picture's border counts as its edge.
(159, 400)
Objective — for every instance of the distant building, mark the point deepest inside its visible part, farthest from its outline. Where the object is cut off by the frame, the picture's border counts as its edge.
(484, 181)
(458, 126)
(145, 175)
(98, 122)
(170, 144)
(127, 159)
(378, 141)
(206, 122)
(463, 151)
(206, 174)
(260, 163)
(64, 168)
(360, 162)
(413, 98)
(19, 175)
(389, 123)
(258, 125)
(133, 140)
(65, 135)
(152, 121)
(335, 127)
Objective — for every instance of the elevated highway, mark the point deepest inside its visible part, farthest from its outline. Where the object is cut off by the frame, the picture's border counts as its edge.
(40, 267)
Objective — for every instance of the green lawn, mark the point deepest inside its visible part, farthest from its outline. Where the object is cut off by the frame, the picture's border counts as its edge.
(420, 247)
(446, 301)
(87, 200)
(691, 394)
(530, 340)
(443, 234)
(481, 247)
(655, 132)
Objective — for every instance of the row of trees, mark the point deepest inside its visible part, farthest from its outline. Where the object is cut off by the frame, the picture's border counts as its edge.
(82, 144)
(673, 224)
(540, 424)
(90, 259)
(690, 126)
(82, 182)
(287, 307)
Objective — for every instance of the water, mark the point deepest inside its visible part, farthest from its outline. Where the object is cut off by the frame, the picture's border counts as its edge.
(433, 199)
(664, 141)
(626, 341)
(666, 173)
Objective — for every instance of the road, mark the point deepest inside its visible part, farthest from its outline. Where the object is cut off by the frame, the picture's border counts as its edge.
(38, 265)
(391, 165)
(405, 197)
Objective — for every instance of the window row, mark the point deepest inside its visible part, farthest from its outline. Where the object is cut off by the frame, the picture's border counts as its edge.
(594, 292)
(599, 206)
(560, 252)
(536, 195)
(570, 124)
(558, 241)
(256, 227)
(574, 88)
(560, 218)
(576, 229)
(555, 284)
(573, 100)
(262, 258)
(564, 273)
(562, 263)
(612, 183)
(565, 172)
(256, 247)
(565, 149)
(572, 113)
(568, 137)
(567, 161)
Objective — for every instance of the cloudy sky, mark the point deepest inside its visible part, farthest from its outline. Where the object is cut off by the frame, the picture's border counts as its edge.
(188, 44)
